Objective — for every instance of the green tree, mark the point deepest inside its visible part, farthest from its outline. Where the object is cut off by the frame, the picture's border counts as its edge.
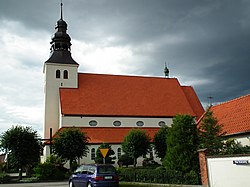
(109, 159)
(232, 146)
(23, 145)
(136, 144)
(211, 134)
(182, 145)
(160, 142)
(70, 144)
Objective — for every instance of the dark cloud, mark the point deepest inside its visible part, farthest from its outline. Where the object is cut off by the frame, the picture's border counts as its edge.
(205, 42)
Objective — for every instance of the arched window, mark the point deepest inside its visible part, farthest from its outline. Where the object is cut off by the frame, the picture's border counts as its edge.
(58, 72)
(151, 155)
(65, 74)
(119, 152)
(93, 154)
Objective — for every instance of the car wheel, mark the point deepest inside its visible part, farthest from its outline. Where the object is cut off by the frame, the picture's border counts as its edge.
(71, 184)
(89, 185)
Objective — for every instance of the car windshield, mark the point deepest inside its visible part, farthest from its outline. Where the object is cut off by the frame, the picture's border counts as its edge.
(106, 170)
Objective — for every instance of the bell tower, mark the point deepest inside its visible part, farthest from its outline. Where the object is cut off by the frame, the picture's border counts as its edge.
(61, 71)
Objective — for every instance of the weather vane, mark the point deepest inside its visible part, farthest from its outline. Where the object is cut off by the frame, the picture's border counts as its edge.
(210, 100)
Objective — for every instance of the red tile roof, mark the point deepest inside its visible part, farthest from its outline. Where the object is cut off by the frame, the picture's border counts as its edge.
(116, 95)
(193, 100)
(112, 135)
(234, 115)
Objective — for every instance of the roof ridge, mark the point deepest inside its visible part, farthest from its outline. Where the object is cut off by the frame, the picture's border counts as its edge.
(235, 99)
(139, 76)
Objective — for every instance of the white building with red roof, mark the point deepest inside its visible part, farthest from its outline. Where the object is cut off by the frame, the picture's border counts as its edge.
(105, 106)
(234, 117)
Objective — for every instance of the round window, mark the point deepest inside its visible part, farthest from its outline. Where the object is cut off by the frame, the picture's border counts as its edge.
(117, 123)
(139, 123)
(162, 123)
(93, 123)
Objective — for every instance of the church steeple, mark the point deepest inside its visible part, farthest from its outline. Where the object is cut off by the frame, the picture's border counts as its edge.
(61, 71)
(60, 44)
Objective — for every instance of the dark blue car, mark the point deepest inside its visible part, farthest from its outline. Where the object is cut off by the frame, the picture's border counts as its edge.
(94, 175)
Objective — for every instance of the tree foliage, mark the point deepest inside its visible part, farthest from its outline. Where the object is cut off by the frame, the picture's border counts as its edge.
(160, 142)
(136, 144)
(125, 160)
(109, 159)
(232, 147)
(24, 146)
(70, 144)
(182, 145)
(211, 134)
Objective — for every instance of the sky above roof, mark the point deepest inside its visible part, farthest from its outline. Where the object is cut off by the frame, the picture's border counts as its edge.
(204, 43)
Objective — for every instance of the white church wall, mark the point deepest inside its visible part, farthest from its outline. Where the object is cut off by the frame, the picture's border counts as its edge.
(51, 89)
(109, 121)
(88, 160)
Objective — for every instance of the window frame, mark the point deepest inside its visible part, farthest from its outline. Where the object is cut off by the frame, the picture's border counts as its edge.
(65, 74)
(58, 74)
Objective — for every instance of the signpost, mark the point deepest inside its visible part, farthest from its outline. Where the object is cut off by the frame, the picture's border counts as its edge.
(104, 152)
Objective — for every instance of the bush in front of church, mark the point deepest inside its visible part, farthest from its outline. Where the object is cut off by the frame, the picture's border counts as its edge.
(125, 160)
(52, 169)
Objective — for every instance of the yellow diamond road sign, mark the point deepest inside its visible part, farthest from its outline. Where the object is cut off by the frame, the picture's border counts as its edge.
(104, 151)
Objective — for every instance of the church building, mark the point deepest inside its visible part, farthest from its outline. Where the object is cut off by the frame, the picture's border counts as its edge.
(104, 106)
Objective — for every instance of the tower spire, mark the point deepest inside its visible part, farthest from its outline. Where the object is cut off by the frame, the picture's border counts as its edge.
(61, 10)
(60, 44)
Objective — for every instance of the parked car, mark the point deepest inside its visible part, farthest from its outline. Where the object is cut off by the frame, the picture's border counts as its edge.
(94, 175)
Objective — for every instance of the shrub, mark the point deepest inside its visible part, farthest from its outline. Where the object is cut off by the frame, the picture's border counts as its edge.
(48, 171)
(125, 160)
(158, 175)
(4, 178)
(149, 162)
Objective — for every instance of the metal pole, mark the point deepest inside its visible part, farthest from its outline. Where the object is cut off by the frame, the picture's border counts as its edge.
(50, 141)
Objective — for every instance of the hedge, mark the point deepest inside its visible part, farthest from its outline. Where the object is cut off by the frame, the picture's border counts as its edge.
(157, 175)
(4, 178)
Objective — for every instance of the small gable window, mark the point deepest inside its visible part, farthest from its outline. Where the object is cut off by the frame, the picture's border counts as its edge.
(65, 74)
(93, 154)
(139, 123)
(119, 152)
(58, 72)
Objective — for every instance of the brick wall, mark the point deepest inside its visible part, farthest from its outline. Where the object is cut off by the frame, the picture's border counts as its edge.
(203, 167)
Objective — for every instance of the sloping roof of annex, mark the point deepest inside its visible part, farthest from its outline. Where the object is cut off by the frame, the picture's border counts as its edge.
(130, 96)
(111, 135)
(233, 115)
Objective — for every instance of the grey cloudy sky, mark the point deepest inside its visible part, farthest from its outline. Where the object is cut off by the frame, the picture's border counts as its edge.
(205, 43)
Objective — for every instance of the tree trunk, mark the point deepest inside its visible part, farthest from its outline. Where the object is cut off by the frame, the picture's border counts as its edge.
(20, 176)
(135, 162)
(70, 166)
(28, 171)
